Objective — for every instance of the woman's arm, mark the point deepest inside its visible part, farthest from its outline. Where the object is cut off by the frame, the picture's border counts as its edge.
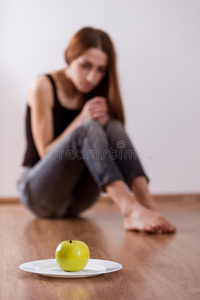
(41, 102)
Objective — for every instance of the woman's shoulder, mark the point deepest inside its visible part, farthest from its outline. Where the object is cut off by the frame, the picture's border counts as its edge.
(40, 91)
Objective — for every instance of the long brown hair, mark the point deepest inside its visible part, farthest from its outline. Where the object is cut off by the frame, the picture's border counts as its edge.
(89, 37)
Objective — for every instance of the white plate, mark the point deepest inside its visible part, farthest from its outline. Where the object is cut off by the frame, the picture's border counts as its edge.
(49, 267)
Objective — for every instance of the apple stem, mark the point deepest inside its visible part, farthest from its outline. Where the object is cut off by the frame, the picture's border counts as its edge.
(70, 241)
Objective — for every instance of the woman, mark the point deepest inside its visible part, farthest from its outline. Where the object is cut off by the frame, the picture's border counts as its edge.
(76, 142)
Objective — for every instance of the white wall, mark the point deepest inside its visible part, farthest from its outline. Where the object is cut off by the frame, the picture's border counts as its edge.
(158, 46)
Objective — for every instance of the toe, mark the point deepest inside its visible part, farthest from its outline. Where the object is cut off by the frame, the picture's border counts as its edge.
(158, 229)
(169, 228)
(149, 229)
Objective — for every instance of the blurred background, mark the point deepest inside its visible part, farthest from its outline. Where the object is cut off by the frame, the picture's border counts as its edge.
(157, 44)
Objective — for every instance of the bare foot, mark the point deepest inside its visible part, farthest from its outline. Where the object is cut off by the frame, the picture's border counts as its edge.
(148, 203)
(147, 220)
(151, 206)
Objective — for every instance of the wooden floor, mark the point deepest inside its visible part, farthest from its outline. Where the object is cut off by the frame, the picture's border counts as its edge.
(154, 266)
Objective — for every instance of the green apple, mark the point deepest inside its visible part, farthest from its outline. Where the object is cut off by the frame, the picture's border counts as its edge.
(72, 255)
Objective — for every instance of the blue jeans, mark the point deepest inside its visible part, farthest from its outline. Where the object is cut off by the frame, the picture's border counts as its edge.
(70, 178)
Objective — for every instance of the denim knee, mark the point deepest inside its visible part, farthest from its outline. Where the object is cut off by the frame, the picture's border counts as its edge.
(91, 124)
(114, 125)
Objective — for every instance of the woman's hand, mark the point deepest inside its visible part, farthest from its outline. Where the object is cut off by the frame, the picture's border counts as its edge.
(97, 109)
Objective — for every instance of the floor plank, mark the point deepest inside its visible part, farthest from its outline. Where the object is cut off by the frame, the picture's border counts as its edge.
(154, 266)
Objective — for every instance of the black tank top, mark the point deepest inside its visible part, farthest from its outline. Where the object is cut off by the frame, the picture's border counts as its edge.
(62, 117)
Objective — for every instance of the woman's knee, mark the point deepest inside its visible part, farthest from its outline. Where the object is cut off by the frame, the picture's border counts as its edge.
(91, 128)
(91, 123)
(114, 126)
